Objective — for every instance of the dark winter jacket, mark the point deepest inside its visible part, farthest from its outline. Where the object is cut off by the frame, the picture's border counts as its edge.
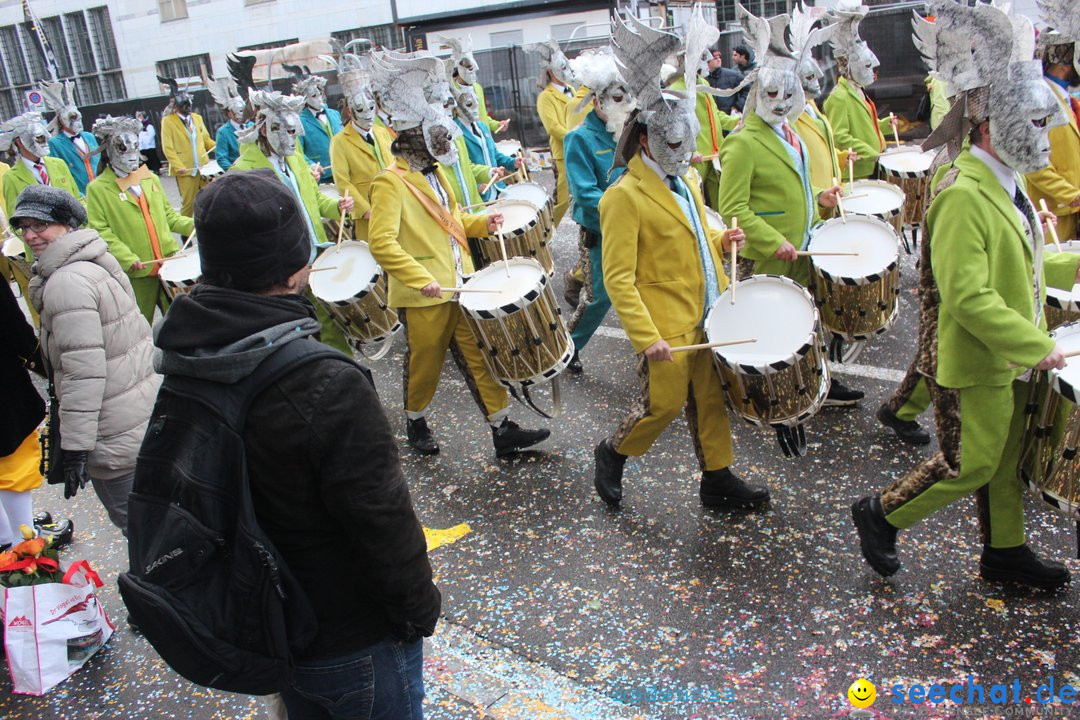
(22, 409)
(325, 474)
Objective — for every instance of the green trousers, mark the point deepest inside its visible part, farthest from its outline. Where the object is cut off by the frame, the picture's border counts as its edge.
(980, 431)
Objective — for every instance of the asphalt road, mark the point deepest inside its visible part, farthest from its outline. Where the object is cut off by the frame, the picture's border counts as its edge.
(557, 607)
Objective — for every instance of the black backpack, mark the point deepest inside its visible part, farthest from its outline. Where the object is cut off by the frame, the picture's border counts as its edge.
(206, 586)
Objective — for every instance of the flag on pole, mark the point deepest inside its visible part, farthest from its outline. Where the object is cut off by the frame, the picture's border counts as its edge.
(43, 41)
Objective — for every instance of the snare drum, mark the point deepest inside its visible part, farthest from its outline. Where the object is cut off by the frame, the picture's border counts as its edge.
(857, 295)
(519, 328)
(538, 196)
(180, 273)
(782, 379)
(1062, 306)
(508, 147)
(332, 226)
(211, 170)
(714, 220)
(876, 198)
(523, 232)
(355, 293)
(1049, 461)
(910, 171)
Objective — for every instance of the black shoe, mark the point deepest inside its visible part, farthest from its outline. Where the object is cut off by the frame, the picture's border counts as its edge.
(841, 395)
(609, 467)
(575, 368)
(61, 532)
(909, 431)
(509, 438)
(572, 293)
(724, 490)
(420, 438)
(43, 518)
(1021, 565)
(877, 538)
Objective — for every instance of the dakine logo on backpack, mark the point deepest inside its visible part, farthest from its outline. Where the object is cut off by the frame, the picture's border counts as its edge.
(206, 586)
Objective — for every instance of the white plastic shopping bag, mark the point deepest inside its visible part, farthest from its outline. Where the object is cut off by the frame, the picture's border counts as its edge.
(51, 630)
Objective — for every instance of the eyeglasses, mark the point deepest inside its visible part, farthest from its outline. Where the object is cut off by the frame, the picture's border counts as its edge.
(36, 227)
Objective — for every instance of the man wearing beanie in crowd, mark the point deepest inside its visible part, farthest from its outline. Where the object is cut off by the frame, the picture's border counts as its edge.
(322, 460)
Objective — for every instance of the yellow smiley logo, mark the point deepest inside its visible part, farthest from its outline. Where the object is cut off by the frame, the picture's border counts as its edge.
(862, 694)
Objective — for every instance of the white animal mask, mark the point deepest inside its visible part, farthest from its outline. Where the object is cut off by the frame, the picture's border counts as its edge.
(30, 130)
(854, 56)
(463, 62)
(552, 59)
(60, 98)
(598, 70)
(467, 107)
(415, 92)
(803, 41)
(277, 118)
(119, 136)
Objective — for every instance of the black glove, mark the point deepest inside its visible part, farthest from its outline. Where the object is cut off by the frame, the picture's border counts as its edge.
(75, 473)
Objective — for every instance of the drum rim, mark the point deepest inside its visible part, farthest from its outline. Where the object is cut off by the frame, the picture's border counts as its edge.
(549, 201)
(906, 174)
(888, 214)
(779, 365)
(513, 307)
(865, 279)
(352, 299)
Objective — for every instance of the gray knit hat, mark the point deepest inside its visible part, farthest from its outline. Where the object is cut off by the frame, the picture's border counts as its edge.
(49, 204)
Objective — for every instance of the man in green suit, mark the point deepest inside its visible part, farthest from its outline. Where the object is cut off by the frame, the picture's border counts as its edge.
(766, 183)
(271, 143)
(989, 275)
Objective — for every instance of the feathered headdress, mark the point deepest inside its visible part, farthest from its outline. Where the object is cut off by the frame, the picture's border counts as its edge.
(225, 93)
(849, 14)
(700, 36)
(353, 64)
(240, 69)
(597, 70)
(984, 56)
(1063, 16)
(306, 83)
(401, 83)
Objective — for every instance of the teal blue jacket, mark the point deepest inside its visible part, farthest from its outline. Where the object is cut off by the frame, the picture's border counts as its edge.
(590, 153)
(316, 141)
(63, 147)
(476, 153)
(227, 149)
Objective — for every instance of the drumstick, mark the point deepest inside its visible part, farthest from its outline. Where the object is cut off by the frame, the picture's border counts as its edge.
(333, 267)
(856, 195)
(708, 158)
(709, 345)
(484, 188)
(1050, 226)
(824, 253)
(341, 222)
(187, 242)
(481, 204)
(502, 246)
(466, 289)
(839, 202)
(895, 130)
(851, 170)
(734, 259)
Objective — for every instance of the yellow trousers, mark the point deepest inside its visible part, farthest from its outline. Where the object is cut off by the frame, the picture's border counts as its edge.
(431, 331)
(189, 188)
(690, 381)
(562, 191)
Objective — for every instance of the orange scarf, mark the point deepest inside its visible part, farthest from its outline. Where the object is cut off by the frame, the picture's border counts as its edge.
(155, 244)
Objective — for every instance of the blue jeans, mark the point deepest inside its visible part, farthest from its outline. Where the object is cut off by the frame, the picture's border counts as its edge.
(384, 681)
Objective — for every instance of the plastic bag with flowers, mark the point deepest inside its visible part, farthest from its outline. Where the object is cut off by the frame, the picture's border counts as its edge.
(53, 622)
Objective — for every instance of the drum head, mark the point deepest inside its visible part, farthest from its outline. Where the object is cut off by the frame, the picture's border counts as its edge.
(184, 269)
(874, 240)
(356, 268)
(508, 147)
(714, 220)
(526, 277)
(907, 162)
(874, 197)
(517, 214)
(1067, 380)
(330, 190)
(778, 312)
(1064, 299)
(211, 169)
(530, 191)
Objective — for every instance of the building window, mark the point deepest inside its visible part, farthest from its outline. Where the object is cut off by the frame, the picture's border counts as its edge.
(13, 55)
(270, 45)
(725, 9)
(172, 9)
(562, 32)
(79, 42)
(507, 38)
(187, 71)
(54, 32)
(384, 36)
(101, 35)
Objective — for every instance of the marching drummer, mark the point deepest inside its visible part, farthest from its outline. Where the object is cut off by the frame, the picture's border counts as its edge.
(853, 115)
(662, 269)
(766, 182)
(417, 233)
(478, 140)
(186, 143)
(128, 207)
(985, 242)
(271, 144)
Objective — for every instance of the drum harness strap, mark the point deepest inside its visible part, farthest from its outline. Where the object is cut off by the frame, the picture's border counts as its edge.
(440, 214)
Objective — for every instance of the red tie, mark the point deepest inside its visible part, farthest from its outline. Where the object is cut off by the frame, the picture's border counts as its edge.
(1075, 108)
(41, 171)
(793, 139)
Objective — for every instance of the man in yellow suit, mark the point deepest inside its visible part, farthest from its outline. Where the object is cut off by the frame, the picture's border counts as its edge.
(552, 104)
(186, 143)
(417, 233)
(663, 270)
(1059, 183)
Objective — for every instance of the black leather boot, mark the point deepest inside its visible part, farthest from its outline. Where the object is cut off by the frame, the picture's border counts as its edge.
(509, 437)
(1020, 565)
(909, 431)
(420, 438)
(877, 538)
(609, 469)
(724, 490)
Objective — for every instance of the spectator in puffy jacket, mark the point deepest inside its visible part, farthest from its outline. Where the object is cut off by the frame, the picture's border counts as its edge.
(96, 343)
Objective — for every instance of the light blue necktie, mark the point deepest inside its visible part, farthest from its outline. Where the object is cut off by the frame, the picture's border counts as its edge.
(712, 287)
